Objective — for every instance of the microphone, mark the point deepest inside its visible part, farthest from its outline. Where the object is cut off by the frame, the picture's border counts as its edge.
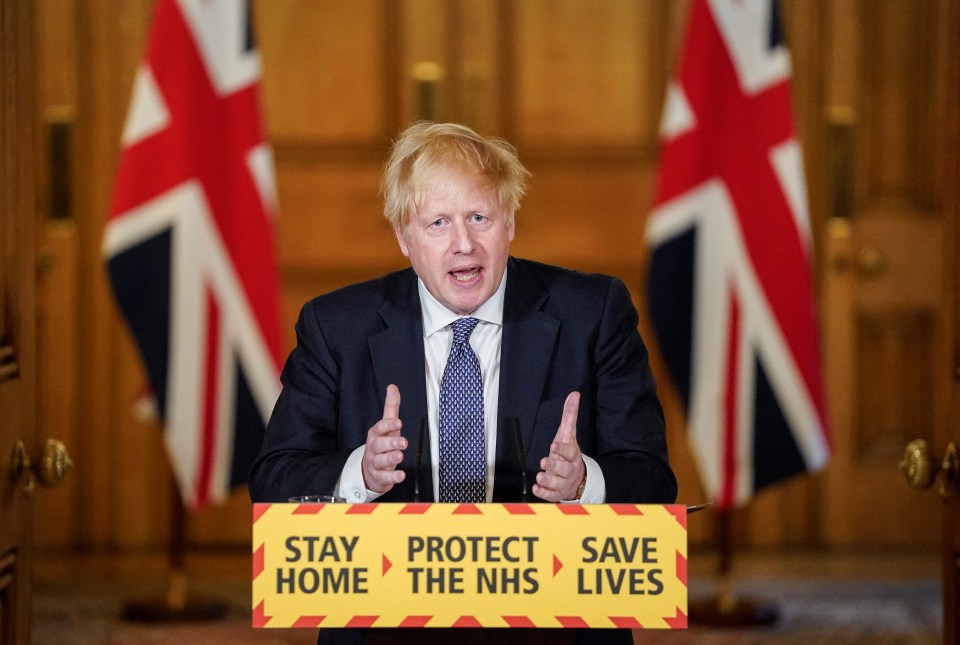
(416, 466)
(524, 490)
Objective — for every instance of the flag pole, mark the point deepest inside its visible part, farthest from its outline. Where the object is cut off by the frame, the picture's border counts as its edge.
(726, 609)
(176, 605)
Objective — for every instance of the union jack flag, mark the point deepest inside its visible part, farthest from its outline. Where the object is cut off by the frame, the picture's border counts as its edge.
(189, 242)
(729, 289)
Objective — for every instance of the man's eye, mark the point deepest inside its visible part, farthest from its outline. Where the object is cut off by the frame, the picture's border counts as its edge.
(436, 223)
(477, 217)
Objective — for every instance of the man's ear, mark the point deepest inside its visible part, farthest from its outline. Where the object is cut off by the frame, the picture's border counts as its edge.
(402, 242)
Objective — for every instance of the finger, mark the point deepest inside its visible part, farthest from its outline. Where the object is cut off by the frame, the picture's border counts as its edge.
(567, 433)
(551, 481)
(559, 468)
(379, 469)
(387, 442)
(382, 480)
(386, 460)
(391, 405)
(546, 494)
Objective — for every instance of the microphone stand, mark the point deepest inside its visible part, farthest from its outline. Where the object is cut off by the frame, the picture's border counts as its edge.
(416, 465)
(521, 453)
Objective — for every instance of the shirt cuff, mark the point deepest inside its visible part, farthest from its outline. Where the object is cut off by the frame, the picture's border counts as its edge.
(350, 486)
(595, 492)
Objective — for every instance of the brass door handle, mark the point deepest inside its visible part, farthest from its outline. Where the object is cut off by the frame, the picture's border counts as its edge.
(921, 468)
(49, 470)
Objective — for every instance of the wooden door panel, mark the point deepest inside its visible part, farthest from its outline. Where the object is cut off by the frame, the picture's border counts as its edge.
(587, 73)
(14, 519)
(880, 357)
(331, 57)
(897, 261)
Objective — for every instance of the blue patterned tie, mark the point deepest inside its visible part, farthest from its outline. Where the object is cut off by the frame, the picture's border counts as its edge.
(462, 457)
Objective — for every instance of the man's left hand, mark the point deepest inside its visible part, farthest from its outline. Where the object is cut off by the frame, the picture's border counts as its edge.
(563, 469)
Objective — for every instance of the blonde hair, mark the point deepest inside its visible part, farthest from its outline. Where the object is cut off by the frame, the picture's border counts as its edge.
(425, 148)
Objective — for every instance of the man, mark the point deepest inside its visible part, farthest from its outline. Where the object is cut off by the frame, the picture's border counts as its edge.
(475, 343)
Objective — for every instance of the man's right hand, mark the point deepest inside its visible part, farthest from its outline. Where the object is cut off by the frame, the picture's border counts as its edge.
(384, 447)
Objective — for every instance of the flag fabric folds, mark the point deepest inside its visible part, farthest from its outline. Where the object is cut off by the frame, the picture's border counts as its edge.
(190, 242)
(729, 287)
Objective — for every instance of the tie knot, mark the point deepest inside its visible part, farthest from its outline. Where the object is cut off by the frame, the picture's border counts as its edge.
(462, 328)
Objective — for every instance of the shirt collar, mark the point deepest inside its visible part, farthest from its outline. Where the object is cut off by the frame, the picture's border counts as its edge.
(436, 316)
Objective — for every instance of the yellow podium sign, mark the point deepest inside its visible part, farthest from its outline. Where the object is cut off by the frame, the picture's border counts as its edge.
(470, 565)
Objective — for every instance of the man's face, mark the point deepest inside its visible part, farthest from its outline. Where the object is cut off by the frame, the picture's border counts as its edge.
(458, 241)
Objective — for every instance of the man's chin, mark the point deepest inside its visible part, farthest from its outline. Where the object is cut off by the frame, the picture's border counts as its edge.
(465, 301)
(464, 307)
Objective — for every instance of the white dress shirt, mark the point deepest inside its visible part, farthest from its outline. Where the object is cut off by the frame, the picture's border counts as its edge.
(485, 341)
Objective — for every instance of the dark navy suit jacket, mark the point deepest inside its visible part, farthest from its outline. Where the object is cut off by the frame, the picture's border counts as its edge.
(562, 331)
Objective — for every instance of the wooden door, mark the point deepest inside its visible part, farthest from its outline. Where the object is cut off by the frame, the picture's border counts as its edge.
(935, 464)
(949, 440)
(16, 314)
(882, 266)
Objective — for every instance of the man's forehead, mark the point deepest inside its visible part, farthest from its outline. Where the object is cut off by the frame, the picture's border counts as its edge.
(456, 196)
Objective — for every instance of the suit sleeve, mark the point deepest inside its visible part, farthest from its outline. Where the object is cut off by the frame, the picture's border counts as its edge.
(300, 453)
(631, 446)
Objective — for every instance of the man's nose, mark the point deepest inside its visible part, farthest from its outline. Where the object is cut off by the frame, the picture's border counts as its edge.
(462, 240)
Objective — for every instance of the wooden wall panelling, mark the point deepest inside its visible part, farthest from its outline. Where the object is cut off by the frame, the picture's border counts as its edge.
(331, 229)
(328, 182)
(579, 67)
(324, 74)
(586, 214)
(332, 216)
(428, 63)
(476, 92)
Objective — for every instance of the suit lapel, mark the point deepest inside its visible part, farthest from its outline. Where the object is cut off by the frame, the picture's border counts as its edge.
(529, 336)
(397, 357)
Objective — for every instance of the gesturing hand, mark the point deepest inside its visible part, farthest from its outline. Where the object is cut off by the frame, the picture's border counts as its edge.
(563, 468)
(384, 447)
